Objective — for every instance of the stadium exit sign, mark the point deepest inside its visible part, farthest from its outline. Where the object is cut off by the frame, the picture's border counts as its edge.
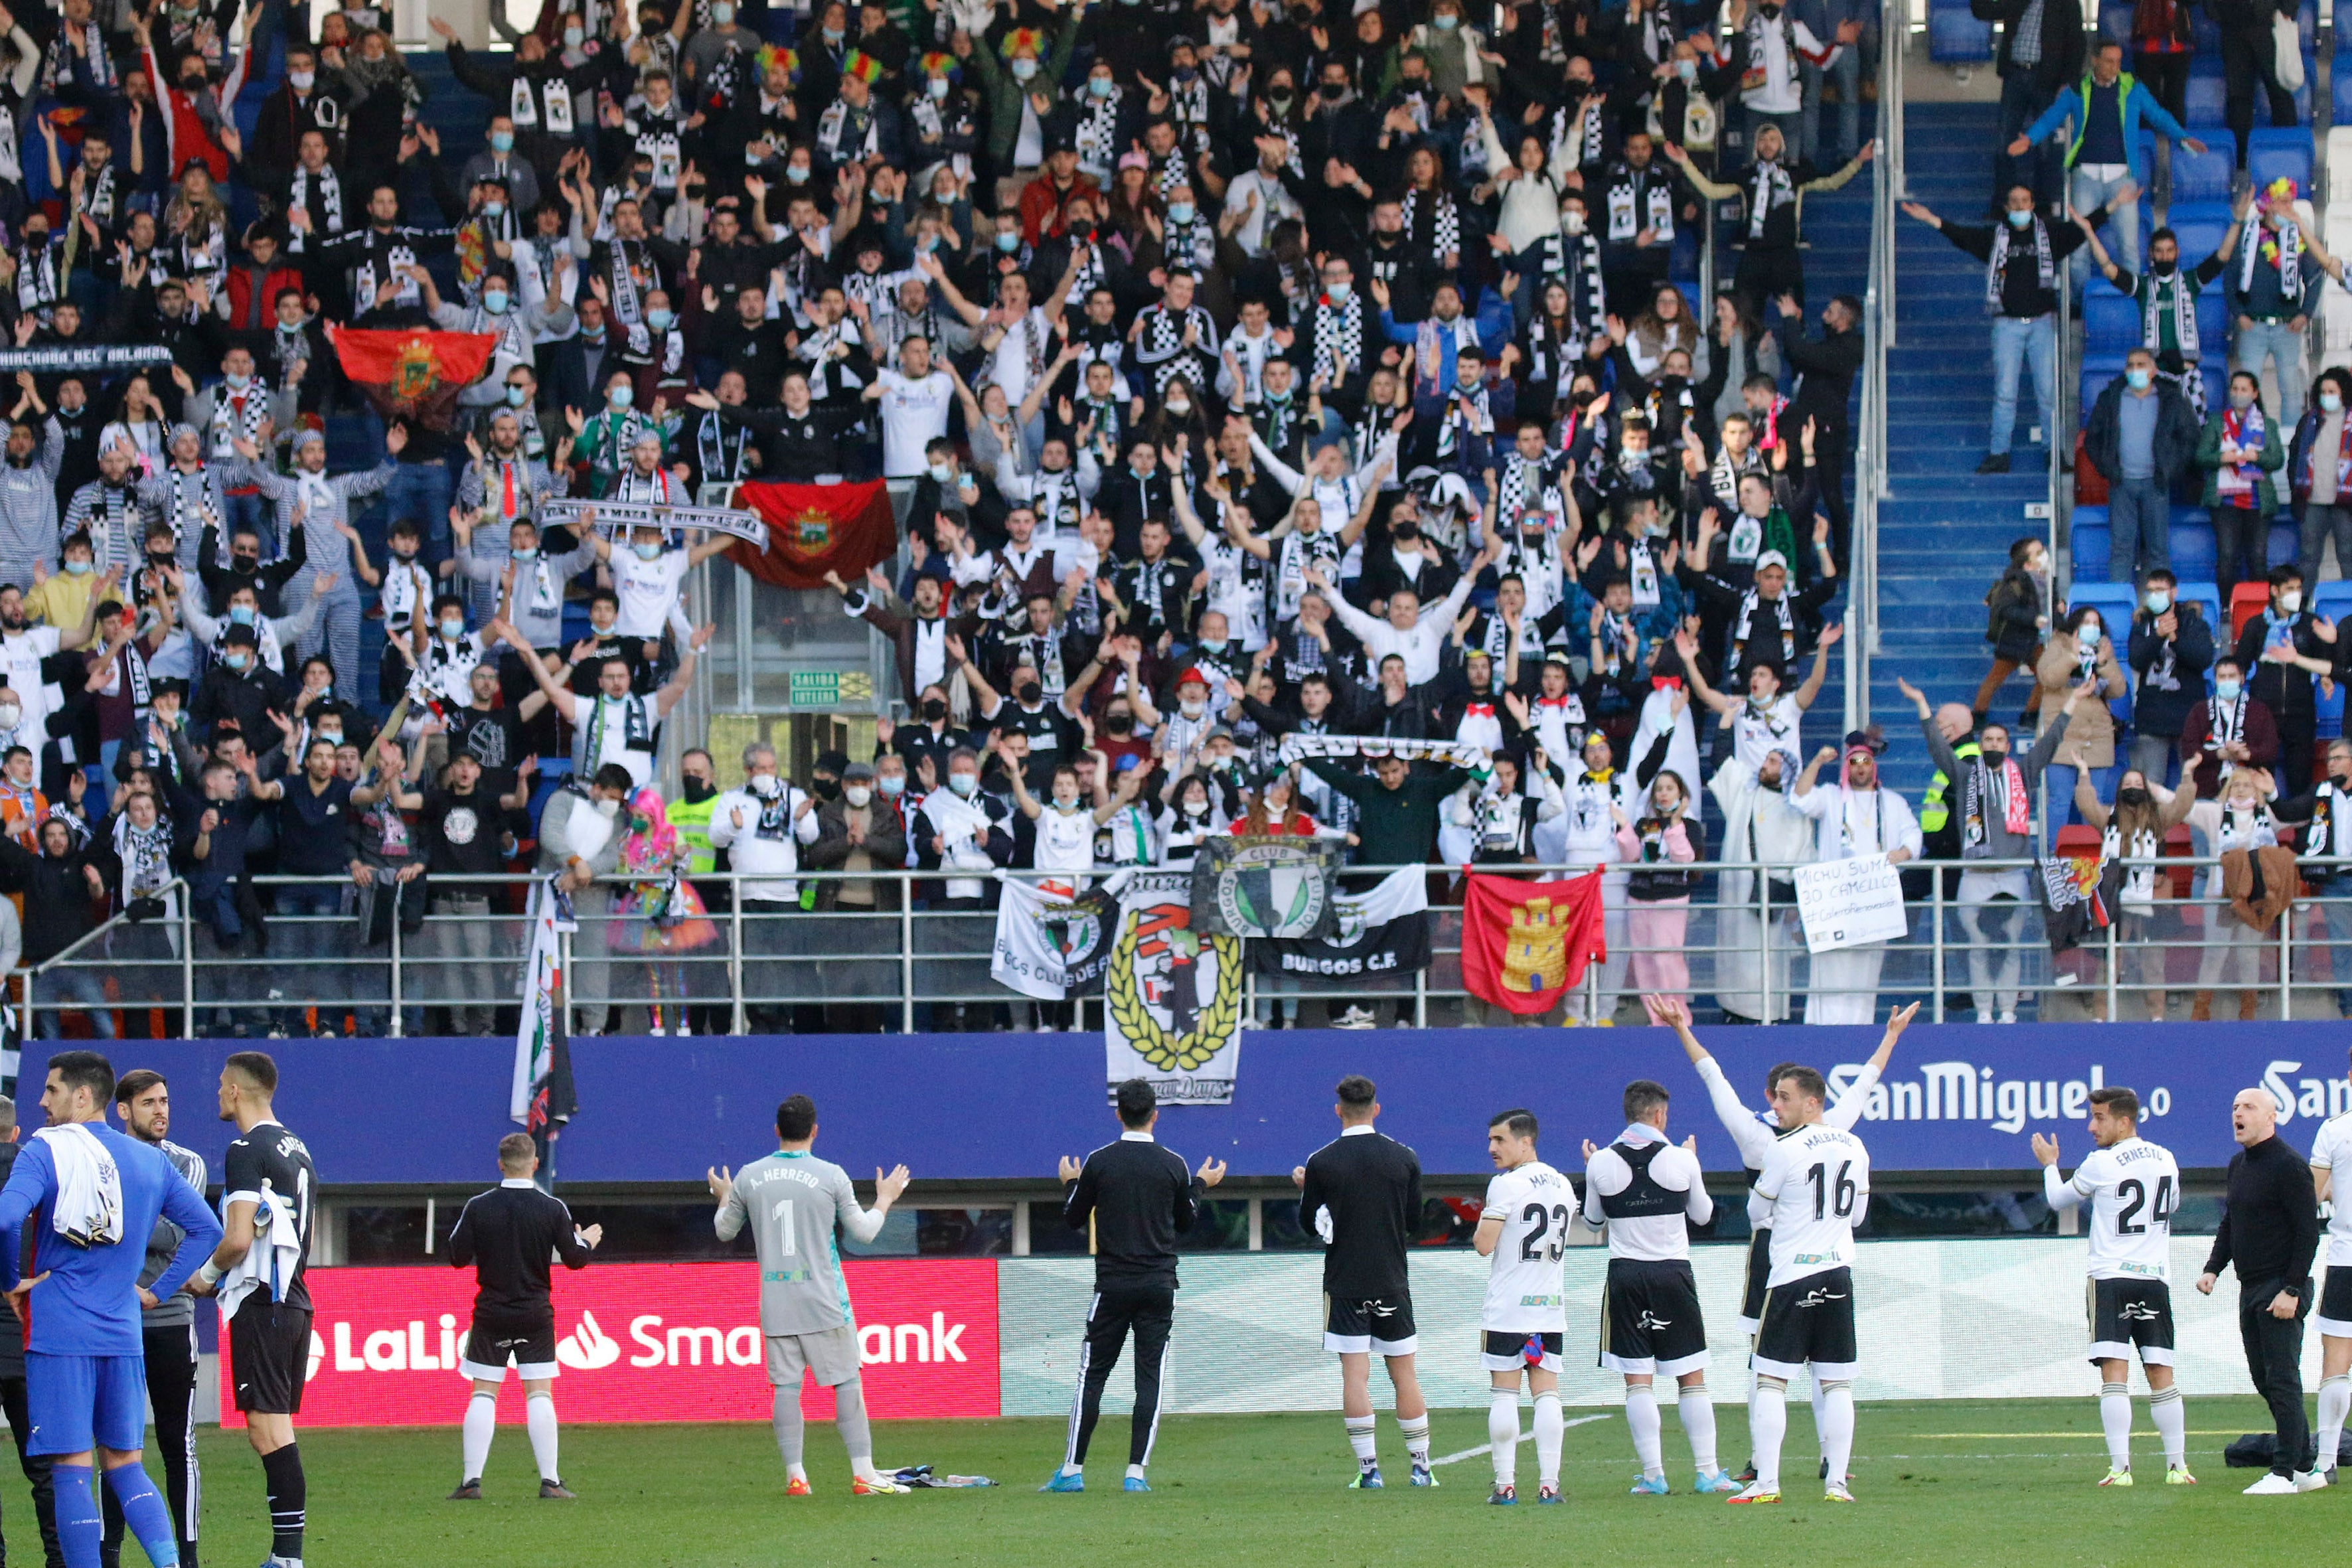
(816, 688)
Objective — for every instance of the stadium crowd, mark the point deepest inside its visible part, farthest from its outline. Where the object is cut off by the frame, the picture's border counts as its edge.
(1249, 375)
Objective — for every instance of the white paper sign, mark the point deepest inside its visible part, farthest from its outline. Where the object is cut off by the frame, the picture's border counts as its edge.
(1851, 903)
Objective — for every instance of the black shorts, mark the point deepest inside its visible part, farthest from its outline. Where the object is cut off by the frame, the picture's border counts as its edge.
(1380, 1324)
(2333, 1318)
(1751, 1290)
(1650, 1318)
(1506, 1350)
(494, 1339)
(2129, 1315)
(1807, 1321)
(269, 1346)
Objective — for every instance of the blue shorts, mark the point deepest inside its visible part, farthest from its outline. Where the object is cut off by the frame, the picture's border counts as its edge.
(81, 1402)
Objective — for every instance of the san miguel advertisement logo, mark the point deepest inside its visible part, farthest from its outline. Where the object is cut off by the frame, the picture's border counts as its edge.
(677, 1342)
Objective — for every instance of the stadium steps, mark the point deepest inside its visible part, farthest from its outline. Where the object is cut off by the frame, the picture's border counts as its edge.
(1944, 532)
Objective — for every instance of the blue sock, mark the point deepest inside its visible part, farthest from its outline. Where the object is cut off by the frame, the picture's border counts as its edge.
(143, 1511)
(79, 1529)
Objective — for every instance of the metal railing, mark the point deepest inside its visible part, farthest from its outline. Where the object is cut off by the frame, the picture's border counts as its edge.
(902, 963)
(1870, 480)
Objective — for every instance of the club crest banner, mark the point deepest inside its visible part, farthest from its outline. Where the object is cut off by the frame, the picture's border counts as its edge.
(1383, 932)
(1172, 995)
(1274, 888)
(1051, 948)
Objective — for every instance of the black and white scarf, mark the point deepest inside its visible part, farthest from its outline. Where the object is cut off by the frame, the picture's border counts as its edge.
(523, 100)
(2045, 264)
(1097, 133)
(658, 137)
(36, 276)
(721, 449)
(231, 425)
(1769, 187)
(1192, 243)
(1339, 337)
(321, 194)
(1781, 618)
(97, 67)
(1652, 209)
(2285, 253)
(637, 727)
(146, 854)
(98, 196)
(1445, 218)
(1578, 125)
(1188, 106)
(628, 303)
(2226, 725)
(2162, 297)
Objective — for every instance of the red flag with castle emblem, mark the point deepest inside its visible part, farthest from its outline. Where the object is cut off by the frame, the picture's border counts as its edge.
(1525, 944)
(414, 375)
(816, 529)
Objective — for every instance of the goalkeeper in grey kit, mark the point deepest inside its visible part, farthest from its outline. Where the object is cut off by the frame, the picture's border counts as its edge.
(792, 1202)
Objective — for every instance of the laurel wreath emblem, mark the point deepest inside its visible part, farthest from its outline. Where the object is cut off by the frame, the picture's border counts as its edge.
(1155, 1045)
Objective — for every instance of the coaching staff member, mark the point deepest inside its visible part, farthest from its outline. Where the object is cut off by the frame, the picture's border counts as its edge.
(1140, 1198)
(2270, 1233)
(168, 1329)
(511, 1237)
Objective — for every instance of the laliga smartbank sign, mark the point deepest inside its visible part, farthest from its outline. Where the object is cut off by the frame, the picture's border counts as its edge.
(677, 1342)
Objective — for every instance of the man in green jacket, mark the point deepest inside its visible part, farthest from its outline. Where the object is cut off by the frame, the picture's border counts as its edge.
(1396, 826)
(1004, 84)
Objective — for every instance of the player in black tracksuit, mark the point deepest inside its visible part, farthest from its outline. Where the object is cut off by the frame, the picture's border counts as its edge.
(1362, 1193)
(510, 1238)
(1140, 1198)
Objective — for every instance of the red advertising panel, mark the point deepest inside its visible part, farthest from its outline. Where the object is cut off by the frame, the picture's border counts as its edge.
(661, 1341)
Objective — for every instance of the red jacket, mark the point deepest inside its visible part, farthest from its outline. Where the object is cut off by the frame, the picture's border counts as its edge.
(254, 309)
(1041, 206)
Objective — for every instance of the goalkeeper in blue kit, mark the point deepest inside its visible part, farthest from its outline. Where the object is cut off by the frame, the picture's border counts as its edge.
(93, 1196)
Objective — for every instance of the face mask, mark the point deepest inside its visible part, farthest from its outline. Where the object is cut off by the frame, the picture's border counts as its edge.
(937, 88)
(403, 555)
(891, 786)
(2227, 690)
(238, 383)
(2291, 601)
(2332, 401)
(453, 627)
(2089, 635)
(1184, 73)
(1030, 693)
(825, 789)
(831, 34)
(1193, 710)
(1180, 408)
(722, 15)
(9, 714)
(2137, 380)
(574, 37)
(501, 141)
(2019, 220)
(965, 784)
(236, 661)
(241, 615)
(659, 319)
(301, 79)
(1994, 759)
(1281, 101)
(1687, 69)
(648, 551)
(1339, 292)
(2157, 602)
(1571, 223)
(623, 396)
(1196, 808)
(1024, 69)
(527, 555)
(1119, 724)
(77, 568)
(2133, 797)
(494, 301)
(798, 173)
(1180, 212)
(1098, 86)
(333, 737)
(608, 808)
(2164, 268)
(1446, 23)
(2242, 401)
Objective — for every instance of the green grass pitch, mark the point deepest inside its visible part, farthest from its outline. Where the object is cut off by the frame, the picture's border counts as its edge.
(1995, 1482)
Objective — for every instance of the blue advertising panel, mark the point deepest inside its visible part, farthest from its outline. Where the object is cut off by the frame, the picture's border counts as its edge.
(1005, 1107)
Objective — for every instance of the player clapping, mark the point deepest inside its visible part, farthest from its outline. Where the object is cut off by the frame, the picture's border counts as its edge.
(1525, 1231)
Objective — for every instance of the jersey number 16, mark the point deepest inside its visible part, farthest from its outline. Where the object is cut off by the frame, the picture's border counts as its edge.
(1832, 1197)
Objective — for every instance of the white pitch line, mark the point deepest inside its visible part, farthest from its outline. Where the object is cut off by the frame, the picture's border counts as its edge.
(1483, 1448)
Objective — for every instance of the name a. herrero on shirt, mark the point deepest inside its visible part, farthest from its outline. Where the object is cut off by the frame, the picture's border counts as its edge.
(1963, 1091)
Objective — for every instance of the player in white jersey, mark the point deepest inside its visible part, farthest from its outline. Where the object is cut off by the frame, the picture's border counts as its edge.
(2331, 1148)
(1817, 1182)
(2133, 1187)
(1754, 1133)
(1525, 1231)
(1647, 1193)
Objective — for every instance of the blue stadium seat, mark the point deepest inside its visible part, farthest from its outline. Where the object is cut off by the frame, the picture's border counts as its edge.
(2115, 601)
(2192, 551)
(2206, 97)
(2098, 369)
(2206, 596)
(2274, 150)
(2199, 226)
(2333, 599)
(2110, 319)
(1954, 37)
(2195, 178)
(2116, 21)
(2207, 34)
(2284, 542)
(2090, 544)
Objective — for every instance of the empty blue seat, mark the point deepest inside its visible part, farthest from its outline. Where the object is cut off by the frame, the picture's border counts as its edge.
(2110, 319)
(2114, 601)
(2196, 177)
(2098, 369)
(2115, 23)
(2199, 226)
(2275, 150)
(2206, 596)
(2192, 547)
(2284, 542)
(2090, 546)
(2206, 34)
(1954, 37)
(2206, 97)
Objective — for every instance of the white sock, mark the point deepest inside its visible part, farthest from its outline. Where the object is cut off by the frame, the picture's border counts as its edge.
(1074, 1470)
(2115, 1416)
(539, 1419)
(1135, 1472)
(1768, 1425)
(2335, 1403)
(1550, 1430)
(1360, 1429)
(1416, 1431)
(2172, 1419)
(1697, 1411)
(1503, 1435)
(1821, 1433)
(1642, 1420)
(1837, 1428)
(481, 1425)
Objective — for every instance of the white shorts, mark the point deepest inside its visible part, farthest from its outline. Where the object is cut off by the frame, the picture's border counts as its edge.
(830, 1356)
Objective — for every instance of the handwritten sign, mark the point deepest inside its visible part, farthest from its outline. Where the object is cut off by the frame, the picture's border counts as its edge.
(1851, 903)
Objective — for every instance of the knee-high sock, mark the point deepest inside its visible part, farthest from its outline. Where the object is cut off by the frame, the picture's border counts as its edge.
(481, 1425)
(144, 1512)
(1820, 1435)
(1503, 1435)
(1642, 1420)
(2171, 1418)
(849, 1419)
(2115, 1419)
(79, 1528)
(290, 1500)
(1416, 1437)
(1698, 1421)
(538, 1415)
(1549, 1429)
(1360, 1438)
(1768, 1425)
(791, 1433)
(1837, 1428)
